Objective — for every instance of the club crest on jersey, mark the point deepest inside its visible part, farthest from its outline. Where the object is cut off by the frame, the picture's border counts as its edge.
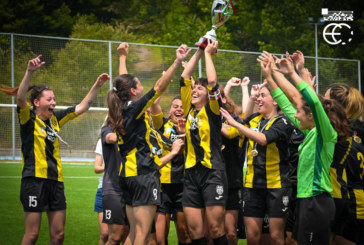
(219, 189)
(195, 122)
(43, 131)
(285, 200)
(51, 136)
(171, 134)
(157, 151)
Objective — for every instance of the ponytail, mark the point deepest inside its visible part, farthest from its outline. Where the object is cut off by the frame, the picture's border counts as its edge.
(13, 91)
(336, 113)
(35, 94)
(116, 98)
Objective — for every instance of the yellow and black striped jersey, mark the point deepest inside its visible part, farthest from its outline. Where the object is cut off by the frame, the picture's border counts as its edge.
(136, 150)
(173, 171)
(355, 177)
(338, 168)
(270, 168)
(40, 146)
(203, 129)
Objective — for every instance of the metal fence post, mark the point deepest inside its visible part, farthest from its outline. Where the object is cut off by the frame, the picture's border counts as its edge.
(110, 66)
(12, 98)
(359, 76)
(199, 69)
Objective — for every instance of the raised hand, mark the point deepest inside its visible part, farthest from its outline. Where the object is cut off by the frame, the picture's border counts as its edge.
(102, 79)
(35, 64)
(254, 92)
(299, 59)
(182, 52)
(181, 125)
(285, 65)
(211, 47)
(123, 49)
(266, 68)
(234, 82)
(245, 81)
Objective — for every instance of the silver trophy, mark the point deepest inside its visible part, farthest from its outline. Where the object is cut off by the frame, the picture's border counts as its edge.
(220, 12)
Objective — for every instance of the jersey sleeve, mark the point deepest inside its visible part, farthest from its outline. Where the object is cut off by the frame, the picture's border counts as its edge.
(214, 99)
(158, 120)
(285, 105)
(322, 121)
(104, 132)
(280, 129)
(63, 116)
(136, 109)
(23, 114)
(186, 94)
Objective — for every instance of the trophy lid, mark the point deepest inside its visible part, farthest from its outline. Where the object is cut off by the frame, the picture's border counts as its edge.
(221, 11)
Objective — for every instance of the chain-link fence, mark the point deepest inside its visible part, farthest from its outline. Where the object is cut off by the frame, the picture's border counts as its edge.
(72, 66)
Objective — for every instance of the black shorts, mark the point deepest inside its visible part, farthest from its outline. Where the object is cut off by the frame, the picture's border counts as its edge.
(171, 198)
(114, 210)
(234, 199)
(291, 219)
(204, 187)
(342, 212)
(259, 202)
(354, 230)
(314, 218)
(240, 229)
(354, 224)
(142, 189)
(40, 195)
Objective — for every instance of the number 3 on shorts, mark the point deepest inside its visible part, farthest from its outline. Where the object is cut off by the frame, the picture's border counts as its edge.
(108, 214)
(33, 201)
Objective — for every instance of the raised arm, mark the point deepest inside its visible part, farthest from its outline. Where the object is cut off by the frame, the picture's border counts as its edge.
(191, 65)
(33, 65)
(233, 82)
(210, 50)
(293, 95)
(251, 105)
(286, 67)
(303, 72)
(258, 137)
(123, 51)
(163, 82)
(90, 97)
(244, 93)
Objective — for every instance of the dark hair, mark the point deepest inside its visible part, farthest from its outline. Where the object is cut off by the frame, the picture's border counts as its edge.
(36, 93)
(202, 81)
(229, 105)
(358, 127)
(117, 96)
(178, 97)
(336, 114)
(350, 98)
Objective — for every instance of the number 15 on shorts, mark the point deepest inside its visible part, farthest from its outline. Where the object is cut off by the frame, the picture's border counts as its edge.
(33, 201)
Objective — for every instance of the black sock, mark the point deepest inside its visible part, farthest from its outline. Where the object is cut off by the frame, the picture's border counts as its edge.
(180, 243)
(166, 242)
(220, 240)
(201, 241)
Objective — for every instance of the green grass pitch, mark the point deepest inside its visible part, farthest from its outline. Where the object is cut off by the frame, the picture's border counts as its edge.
(81, 221)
